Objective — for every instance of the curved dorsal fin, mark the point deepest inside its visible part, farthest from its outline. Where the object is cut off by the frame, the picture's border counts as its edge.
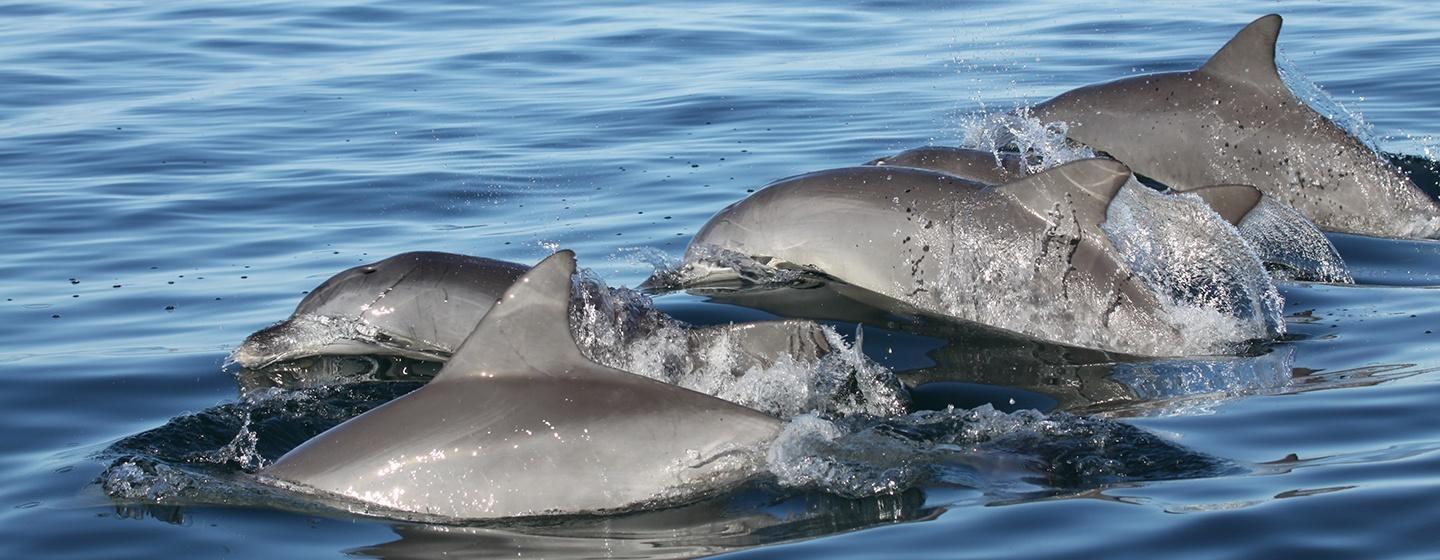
(1083, 187)
(1231, 202)
(1250, 55)
(528, 329)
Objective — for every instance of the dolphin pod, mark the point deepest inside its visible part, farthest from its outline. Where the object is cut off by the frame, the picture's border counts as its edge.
(422, 305)
(1234, 121)
(1075, 262)
(1281, 237)
(520, 423)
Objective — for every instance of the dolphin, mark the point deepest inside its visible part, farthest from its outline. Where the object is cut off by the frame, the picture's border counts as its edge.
(422, 305)
(1282, 238)
(1028, 256)
(419, 305)
(520, 423)
(1234, 121)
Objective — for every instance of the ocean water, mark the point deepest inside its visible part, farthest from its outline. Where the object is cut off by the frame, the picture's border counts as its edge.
(177, 175)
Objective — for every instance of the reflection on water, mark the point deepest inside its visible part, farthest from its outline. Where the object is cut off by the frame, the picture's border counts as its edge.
(742, 520)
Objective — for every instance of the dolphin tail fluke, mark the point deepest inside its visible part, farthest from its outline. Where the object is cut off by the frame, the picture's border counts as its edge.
(1080, 189)
(1250, 55)
(1232, 202)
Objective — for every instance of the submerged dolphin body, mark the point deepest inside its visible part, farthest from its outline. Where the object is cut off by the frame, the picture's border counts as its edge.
(1028, 256)
(1281, 237)
(1234, 121)
(519, 423)
(422, 305)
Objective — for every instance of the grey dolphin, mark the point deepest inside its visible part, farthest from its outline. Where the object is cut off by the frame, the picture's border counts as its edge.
(519, 423)
(1281, 237)
(1028, 256)
(418, 305)
(422, 305)
(1234, 121)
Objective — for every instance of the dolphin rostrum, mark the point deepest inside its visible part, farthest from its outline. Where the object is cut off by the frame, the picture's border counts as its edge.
(519, 423)
(422, 305)
(1234, 121)
(1281, 237)
(1028, 256)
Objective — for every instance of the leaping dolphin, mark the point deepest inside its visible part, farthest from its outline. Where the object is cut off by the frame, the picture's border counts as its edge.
(423, 305)
(519, 423)
(1234, 121)
(1281, 237)
(1028, 256)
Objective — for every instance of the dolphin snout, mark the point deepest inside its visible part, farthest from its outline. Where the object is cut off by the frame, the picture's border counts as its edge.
(264, 347)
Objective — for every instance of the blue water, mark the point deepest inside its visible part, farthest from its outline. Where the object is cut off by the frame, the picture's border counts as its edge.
(175, 176)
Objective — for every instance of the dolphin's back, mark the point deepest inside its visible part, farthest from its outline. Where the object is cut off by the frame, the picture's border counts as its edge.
(519, 423)
(979, 166)
(1234, 121)
(1028, 256)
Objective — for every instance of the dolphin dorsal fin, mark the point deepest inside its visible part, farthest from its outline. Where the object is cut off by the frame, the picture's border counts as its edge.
(1082, 187)
(1250, 55)
(528, 329)
(1232, 202)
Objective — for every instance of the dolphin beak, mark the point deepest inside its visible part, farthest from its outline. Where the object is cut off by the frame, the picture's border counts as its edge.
(260, 349)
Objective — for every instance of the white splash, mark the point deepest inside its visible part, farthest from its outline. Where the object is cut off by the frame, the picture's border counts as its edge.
(815, 370)
(1281, 236)
(1216, 290)
(1322, 102)
(1043, 145)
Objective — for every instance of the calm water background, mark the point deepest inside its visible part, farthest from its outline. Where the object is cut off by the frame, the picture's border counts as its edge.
(175, 175)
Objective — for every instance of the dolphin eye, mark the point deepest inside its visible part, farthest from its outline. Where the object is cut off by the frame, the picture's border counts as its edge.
(368, 270)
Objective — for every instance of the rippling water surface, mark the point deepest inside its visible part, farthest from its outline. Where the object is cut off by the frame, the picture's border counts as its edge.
(177, 175)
